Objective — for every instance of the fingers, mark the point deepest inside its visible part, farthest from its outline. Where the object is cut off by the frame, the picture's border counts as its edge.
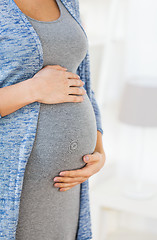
(73, 98)
(84, 172)
(92, 157)
(77, 91)
(66, 179)
(74, 82)
(58, 67)
(64, 189)
(72, 75)
(69, 75)
(65, 185)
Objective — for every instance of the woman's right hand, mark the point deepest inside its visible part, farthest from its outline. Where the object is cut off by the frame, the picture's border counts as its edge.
(53, 84)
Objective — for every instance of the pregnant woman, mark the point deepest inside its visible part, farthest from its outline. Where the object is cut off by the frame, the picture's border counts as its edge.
(48, 124)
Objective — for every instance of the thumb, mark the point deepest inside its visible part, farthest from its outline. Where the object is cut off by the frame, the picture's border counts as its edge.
(91, 157)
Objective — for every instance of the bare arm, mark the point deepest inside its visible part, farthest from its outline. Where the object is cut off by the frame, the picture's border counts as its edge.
(16, 96)
(50, 85)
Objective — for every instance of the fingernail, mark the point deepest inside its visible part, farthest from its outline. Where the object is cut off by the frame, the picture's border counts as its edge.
(61, 190)
(62, 174)
(86, 158)
(56, 185)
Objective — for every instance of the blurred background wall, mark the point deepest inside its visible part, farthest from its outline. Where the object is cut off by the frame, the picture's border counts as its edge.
(123, 51)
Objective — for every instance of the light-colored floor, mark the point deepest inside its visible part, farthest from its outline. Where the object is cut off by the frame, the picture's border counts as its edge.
(124, 234)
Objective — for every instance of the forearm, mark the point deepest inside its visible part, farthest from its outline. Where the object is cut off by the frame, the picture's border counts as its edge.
(16, 96)
(99, 144)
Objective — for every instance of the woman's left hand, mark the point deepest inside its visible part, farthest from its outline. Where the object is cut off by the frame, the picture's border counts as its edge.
(71, 178)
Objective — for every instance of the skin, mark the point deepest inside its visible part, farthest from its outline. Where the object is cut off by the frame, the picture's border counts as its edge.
(93, 165)
(50, 85)
(48, 10)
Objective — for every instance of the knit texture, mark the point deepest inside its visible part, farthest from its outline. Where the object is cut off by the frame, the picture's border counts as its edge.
(21, 57)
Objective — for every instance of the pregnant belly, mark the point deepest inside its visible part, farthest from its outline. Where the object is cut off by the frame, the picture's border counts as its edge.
(65, 133)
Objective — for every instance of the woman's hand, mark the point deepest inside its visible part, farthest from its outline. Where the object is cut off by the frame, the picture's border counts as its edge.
(69, 179)
(53, 84)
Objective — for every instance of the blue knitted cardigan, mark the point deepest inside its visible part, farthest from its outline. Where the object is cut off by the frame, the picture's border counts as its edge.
(21, 56)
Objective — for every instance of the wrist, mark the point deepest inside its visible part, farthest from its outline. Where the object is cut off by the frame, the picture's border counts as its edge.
(32, 90)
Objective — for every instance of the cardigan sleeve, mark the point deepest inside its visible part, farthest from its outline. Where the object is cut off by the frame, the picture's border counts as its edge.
(91, 93)
(84, 73)
(97, 112)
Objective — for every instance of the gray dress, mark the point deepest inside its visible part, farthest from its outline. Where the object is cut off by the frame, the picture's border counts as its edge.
(65, 133)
